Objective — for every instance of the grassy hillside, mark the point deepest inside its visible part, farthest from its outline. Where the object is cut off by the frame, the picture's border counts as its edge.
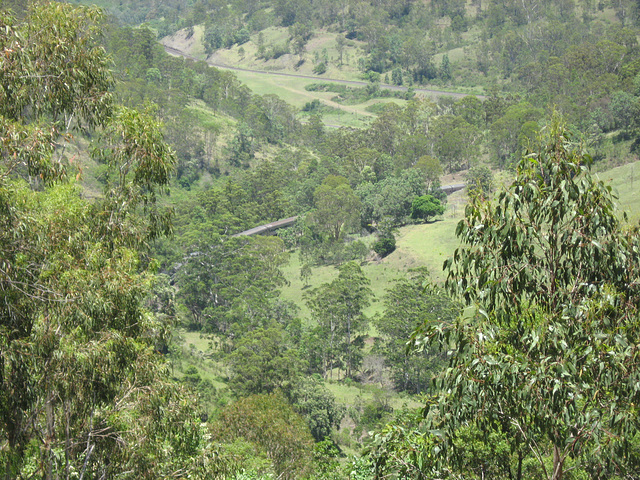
(625, 181)
(430, 244)
(322, 43)
(322, 48)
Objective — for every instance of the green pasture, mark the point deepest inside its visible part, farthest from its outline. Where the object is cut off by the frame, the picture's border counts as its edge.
(352, 393)
(625, 182)
(292, 91)
(289, 89)
(195, 349)
(416, 246)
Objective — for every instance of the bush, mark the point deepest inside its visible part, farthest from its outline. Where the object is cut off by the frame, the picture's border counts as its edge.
(479, 181)
(311, 106)
(385, 245)
(320, 68)
(242, 36)
(269, 423)
(355, 250)
(425, 207)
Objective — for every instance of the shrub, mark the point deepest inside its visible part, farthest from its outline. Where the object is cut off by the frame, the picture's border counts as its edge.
(425, 207)
(320, 68)
(385, 245)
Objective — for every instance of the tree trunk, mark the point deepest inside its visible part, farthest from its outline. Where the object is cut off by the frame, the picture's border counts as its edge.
(48, 408)
(558, 460)
(348, 347)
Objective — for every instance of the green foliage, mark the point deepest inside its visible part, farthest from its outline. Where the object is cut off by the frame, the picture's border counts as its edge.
(325, 460)
(46, 62)
(275, 51)
(55, 79)
(305, 274)
(311, 106)
(311, 399)
(372, 413)
(509, 136)
(479, 181)
(84, 392)
(402, 450)
(431, 169)
(385, 245)
(390, 200)
(337, 309)
(263, 361)
(455, 141)
(408, 304)
(396, 76)
(326, 251)
(140, 164)
(211, 276)
(445, 68)
(320, 68)
(223, 35)
(270, 424)
(547, 357)
(425, 207)
(471, 109)
(336, 207)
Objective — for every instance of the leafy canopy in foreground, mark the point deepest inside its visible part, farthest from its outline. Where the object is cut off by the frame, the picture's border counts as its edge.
(83, 391)
(552, 354)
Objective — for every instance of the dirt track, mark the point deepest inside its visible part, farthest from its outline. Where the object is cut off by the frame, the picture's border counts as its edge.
(355, 83)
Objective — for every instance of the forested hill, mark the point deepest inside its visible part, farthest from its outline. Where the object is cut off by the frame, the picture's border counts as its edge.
(574, 55)
(140, 337)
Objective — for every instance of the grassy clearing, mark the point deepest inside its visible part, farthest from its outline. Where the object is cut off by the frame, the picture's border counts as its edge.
(289, 89)
(322, 44)
(195, 349)
(295, 290)
(355, 394)
(292, 90)
(625, 181)
(417, 246)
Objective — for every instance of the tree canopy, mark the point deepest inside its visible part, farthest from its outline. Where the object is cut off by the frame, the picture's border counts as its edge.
(337, 307)
(426, 207)
(551, 356)
(84, 392)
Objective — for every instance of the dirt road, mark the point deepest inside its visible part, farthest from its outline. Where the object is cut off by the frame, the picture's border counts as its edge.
(355, 83)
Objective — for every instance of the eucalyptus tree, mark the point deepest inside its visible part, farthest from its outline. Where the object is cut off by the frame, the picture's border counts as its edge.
(263, 361)
(274, 430)
(337, 307)
(408, 304)
(551, 356)
(229, 285)
(337, 207)
(83, 391)
(455, 142)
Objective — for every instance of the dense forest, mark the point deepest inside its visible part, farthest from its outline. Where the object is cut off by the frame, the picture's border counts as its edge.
(144, 335)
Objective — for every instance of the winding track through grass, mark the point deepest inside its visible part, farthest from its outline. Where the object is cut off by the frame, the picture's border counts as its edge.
(355, 83)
